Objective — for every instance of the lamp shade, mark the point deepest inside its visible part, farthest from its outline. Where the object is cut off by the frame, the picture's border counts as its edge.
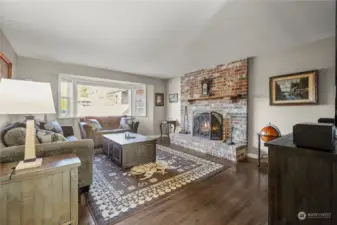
(25, 97)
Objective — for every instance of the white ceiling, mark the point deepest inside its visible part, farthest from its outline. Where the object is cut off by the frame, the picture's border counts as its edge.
(162, 38)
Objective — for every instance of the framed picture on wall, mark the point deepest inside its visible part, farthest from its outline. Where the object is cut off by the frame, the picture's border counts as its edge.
(173, 98)
(159, 99)
(206, 87)
(5, 67)
(294, 89)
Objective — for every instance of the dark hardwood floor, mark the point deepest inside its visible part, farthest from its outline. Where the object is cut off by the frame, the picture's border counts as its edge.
(236, 196)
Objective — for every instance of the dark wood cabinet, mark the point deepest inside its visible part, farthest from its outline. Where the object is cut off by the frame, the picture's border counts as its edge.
(301, 180)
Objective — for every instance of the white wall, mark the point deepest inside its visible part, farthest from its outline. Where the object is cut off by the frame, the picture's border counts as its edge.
(45, 71)
(6, 48)
(319, 55)
(173, 109)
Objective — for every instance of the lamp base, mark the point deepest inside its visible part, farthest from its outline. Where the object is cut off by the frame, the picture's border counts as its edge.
(27, 165)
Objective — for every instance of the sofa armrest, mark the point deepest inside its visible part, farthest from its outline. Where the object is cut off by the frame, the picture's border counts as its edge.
(85, 130)
(68, 131)
(82, 148)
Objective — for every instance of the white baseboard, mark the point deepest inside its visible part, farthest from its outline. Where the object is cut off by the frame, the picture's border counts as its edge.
(252, 155)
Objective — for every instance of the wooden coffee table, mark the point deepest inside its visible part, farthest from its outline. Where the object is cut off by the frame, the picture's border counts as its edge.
(129, 152)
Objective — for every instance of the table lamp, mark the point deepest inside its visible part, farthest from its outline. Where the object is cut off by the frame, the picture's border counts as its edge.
(19, 97)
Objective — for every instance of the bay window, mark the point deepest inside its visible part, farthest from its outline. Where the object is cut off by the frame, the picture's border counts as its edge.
(86, 96)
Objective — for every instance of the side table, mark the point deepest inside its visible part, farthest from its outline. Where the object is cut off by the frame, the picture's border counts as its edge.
(42, 195)
(169, 123)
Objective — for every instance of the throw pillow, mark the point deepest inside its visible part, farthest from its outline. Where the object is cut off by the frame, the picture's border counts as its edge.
(2, 145)
(46, 136)
(17, 136)
(24, 124)
(124, 126)
(124, 120)
(125, 123)
(54, 126)
(58, 138)
(95, 125)
(4, 131)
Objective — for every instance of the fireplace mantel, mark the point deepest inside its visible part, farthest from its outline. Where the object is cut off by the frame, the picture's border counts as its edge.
(232, 97)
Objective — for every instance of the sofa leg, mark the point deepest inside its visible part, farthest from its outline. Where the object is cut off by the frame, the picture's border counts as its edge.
(84, 189)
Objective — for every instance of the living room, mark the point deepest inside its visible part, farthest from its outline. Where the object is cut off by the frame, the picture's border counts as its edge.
(155, 117)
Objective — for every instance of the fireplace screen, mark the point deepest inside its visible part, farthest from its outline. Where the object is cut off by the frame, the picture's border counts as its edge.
(208, 125)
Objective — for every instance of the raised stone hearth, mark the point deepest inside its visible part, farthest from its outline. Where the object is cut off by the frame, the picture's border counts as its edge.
(235, 153)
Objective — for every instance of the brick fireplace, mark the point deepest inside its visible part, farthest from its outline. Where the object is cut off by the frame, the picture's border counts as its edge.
(228, 98)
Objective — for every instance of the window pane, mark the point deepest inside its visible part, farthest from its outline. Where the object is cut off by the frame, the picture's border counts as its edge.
(65, 101)
(125, 97)
(101, 100)
(64, 107)
(64, 88)
(140, 102)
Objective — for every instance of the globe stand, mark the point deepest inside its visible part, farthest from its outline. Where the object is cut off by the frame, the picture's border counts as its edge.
(259, 135)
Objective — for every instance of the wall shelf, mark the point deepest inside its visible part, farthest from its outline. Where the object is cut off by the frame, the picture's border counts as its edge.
(232, 97)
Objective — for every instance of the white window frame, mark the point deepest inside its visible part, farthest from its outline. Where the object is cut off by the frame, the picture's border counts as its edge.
(76, 79)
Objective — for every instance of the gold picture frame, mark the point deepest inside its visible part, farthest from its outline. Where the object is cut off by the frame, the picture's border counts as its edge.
(294, 89)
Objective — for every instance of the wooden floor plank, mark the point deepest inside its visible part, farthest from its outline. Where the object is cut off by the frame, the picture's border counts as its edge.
(238, 195)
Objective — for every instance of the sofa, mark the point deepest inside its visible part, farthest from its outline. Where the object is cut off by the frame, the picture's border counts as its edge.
(110, 125)
(82, 148)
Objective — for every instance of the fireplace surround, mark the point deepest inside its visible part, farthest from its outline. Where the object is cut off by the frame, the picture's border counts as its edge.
(208, 125)
(227, 80)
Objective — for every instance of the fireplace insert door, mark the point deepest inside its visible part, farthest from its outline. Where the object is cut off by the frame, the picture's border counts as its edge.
(208, 125)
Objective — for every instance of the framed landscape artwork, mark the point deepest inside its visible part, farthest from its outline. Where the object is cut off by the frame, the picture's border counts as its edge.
(173, 98)
(5, 67)
(159, 99)
(294, 89)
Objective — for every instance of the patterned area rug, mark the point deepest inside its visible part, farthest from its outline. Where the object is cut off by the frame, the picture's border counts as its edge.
(116, 194)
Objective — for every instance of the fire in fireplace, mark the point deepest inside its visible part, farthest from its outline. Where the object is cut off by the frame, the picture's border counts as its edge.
(208, 125)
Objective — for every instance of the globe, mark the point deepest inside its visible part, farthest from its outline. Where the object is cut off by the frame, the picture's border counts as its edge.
(271, 132)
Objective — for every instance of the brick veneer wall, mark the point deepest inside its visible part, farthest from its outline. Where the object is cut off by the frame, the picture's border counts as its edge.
(230, 79)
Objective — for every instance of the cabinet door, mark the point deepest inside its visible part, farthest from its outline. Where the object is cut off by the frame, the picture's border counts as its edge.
(138, 154)
(300, 181)
(106, 146)
(131, 156)
(146, 153)
(116, 153)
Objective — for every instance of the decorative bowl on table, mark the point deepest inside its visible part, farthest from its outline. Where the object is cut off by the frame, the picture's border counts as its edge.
(129, 135)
